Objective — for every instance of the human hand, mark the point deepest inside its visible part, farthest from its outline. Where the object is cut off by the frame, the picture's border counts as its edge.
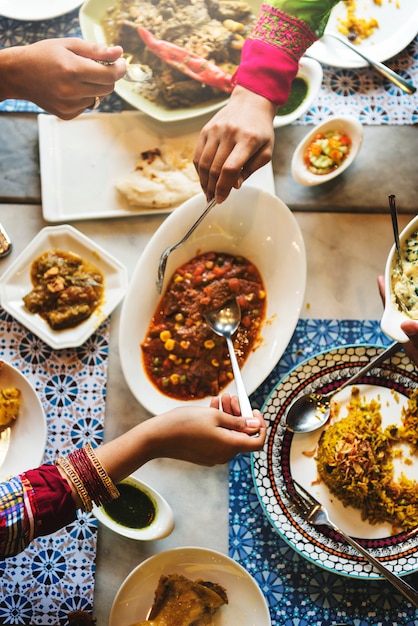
(409, 327)
(237, 141)
(204, 436)
(60, 75)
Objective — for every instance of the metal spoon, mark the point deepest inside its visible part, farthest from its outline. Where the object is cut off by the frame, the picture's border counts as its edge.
(379, 67)
(394, 214)
(311, 411)
(224, 321)
(162, 263)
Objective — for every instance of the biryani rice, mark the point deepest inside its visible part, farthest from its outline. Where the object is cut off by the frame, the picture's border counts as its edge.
(355, 459)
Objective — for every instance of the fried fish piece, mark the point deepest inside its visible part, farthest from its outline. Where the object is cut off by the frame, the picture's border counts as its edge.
(180, 601)
(9, 406)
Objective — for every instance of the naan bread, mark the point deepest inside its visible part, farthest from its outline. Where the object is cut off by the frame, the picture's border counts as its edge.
(163, 177)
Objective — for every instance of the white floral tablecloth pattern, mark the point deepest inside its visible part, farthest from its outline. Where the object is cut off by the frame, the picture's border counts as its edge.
(55, 574)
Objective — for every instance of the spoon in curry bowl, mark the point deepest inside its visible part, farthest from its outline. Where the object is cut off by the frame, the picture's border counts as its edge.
(162, 264)
(224, 321)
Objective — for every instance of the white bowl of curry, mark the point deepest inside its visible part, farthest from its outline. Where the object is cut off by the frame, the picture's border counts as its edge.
(251, 224)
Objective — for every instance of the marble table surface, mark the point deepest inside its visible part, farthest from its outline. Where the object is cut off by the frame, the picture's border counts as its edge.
(345, 253)
(386, 164)
(347, 232)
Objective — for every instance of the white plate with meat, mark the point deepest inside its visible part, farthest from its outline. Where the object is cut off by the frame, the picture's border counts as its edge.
(183, 98)
(16, 283)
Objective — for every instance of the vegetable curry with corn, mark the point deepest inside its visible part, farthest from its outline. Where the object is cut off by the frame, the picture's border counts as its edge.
(182, 356)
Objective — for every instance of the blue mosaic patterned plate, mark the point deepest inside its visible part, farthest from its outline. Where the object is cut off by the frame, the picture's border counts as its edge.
(285, 455)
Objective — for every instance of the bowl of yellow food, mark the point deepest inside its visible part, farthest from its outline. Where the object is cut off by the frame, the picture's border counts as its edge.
(327, 151)
(401, 284)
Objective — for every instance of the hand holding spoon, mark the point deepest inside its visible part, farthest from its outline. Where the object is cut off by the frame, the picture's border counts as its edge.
(224, 321)
(311, 411)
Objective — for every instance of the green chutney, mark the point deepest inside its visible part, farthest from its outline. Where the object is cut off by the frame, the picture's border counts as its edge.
(133, 508)
(298, 92)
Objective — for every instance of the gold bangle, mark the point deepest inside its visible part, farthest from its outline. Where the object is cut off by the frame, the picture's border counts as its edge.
(77, 482)
(107, 482)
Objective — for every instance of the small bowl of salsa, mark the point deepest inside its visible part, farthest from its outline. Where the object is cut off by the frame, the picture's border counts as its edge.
(305, 87)
(139, 513)
(327, 151)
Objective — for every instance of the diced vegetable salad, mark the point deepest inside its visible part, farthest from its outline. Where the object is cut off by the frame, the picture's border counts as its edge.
(327, 151)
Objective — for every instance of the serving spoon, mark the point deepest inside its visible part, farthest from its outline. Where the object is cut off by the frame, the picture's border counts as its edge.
(162, 263)
(311, 411)
(224, 321)
(384, 70)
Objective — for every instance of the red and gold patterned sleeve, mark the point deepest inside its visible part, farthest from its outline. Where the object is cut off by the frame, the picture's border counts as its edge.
(37, 502)
(284, 30)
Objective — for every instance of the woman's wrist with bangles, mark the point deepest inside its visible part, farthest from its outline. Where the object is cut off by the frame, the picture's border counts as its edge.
(90, 480)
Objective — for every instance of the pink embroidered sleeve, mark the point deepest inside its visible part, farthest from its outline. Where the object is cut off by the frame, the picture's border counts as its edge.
(270, 56)
(38, 502)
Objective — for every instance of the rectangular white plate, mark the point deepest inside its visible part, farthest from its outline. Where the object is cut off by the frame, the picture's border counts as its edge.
(81, 159)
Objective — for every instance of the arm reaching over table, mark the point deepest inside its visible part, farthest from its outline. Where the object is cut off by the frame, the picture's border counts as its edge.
(62, 76)
(409, 327)
(239, 139)
(43, 500)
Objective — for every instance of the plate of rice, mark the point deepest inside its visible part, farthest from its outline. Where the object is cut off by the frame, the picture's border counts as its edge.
(362, 465)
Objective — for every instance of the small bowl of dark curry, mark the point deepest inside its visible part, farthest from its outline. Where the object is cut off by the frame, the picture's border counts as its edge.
(139, 513)
(304, 89)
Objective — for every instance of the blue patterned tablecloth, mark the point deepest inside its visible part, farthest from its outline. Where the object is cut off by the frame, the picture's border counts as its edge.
(299, 593)
(359, 92)
(55, 574)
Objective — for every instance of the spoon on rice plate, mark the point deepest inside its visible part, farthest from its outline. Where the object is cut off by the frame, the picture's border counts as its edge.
(311, 410)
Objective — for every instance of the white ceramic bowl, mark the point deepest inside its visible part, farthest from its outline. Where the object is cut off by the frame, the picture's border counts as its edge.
(345, 124)
(15, 283)
(311, 72)
(161, 526)
(393, 316)
(246, 603)
(251, 222)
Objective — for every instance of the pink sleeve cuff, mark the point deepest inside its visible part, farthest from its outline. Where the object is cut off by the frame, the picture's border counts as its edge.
(55, 507)
(266, 70)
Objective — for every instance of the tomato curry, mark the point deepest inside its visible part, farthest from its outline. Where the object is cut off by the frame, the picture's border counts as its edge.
(182, 356)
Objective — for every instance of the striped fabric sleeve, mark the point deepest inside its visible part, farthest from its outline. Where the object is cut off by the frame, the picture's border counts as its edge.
(16, 515)
(37, 502)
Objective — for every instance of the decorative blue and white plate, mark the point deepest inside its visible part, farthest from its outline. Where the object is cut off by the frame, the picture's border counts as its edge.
(286, 456)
